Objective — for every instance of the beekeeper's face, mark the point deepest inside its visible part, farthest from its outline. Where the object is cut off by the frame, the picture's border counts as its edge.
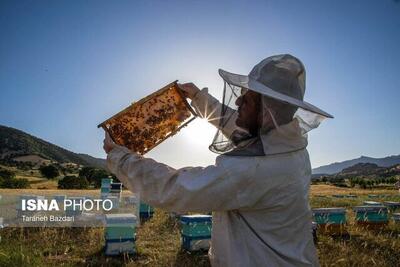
(249, 111)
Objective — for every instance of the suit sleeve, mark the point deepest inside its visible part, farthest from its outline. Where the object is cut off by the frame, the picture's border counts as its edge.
(198, 189)
(210, 108)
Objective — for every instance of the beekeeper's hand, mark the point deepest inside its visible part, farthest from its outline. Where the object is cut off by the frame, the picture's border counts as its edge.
(108, 143)
(189, 89)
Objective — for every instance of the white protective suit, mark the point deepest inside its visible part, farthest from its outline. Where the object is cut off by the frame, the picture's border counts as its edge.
(271, 193)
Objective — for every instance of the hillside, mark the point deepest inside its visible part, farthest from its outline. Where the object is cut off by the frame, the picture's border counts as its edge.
(15, 143)
(339, 166)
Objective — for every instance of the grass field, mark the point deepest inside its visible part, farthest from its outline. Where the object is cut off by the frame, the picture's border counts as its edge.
(158, 241)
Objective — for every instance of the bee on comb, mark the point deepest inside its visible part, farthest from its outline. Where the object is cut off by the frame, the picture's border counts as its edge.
(146, 123)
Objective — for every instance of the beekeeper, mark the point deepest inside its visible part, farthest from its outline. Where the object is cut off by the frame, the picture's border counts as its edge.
(258, 187)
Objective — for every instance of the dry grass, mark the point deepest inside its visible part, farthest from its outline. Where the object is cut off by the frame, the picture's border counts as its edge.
(158, 241)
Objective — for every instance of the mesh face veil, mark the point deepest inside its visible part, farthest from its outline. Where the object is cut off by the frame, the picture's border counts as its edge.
(229, 136)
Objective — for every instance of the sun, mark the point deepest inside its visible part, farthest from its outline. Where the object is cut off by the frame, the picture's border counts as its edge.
(199, 132)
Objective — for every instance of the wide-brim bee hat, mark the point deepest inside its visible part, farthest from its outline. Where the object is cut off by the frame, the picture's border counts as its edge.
(281, 77)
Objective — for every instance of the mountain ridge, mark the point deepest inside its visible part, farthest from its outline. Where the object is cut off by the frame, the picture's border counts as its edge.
(337, 167)
(14, 143)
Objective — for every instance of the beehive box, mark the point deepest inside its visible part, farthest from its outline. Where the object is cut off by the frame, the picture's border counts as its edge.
(371, 217)
(392, 206)
(145, 208)
(331, 221)
(26, 198)
(116, 186)
(396, 218)
(148, 122)
(117, 247)
(329, 215)
(197, 243)
(145, 211)
(120, 226)
(372, 203)
(60, 198)
(106, 182)
(74, 210)
(196, 225)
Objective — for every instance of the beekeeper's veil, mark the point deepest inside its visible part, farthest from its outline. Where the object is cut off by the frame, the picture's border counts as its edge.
(280, 77)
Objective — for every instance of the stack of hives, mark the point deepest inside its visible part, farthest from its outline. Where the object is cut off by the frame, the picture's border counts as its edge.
(145, 211)
(120, 234)
(196, 232)
(105, 187)
(26, 212)
(371, 217)
(392, 206)
(330, 220)
(116, 190)
(74, 210)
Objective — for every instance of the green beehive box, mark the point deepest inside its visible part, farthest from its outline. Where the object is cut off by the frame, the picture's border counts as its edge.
(392, 206)
(105, 190)
(329, 215)
(120, 231)
(396, 218)
(145, 208)
(196, 225)
(106, 182)
(374, 214)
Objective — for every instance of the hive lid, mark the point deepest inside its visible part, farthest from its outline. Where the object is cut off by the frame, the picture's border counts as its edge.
(198, 218)
(329, 210)
(391, 203)
(146, 123)
(372, 203)
(120, 218)
(370, 208)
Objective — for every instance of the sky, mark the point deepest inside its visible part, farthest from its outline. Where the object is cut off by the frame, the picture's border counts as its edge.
(66, 66)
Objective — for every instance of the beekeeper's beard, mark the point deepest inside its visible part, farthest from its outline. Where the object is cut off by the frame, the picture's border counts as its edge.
(229, 134)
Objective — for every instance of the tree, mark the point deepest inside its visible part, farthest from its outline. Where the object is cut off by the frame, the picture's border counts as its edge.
(6, 174)
(94, 175)
(49, 171)
(15, 183)
(73, 182)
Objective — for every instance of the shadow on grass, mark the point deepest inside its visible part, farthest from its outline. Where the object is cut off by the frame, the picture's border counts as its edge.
(185, 258)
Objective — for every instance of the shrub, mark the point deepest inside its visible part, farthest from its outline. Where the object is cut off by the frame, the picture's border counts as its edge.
(6, 174)
(94, 175)
(73, 182)
(14, 183)
(49, 171)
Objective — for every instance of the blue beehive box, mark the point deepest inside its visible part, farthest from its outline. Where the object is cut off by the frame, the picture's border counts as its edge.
(116, 186)
(120, 234)
(117, 247)
(196, 232)
(60, 198)
(371, 214)
(145, 211)
(106, 182)
(196, 243)
(329, 215)
(196, 225)
(393, 206)
(74, 210)
(120, 226)
(396, 218)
